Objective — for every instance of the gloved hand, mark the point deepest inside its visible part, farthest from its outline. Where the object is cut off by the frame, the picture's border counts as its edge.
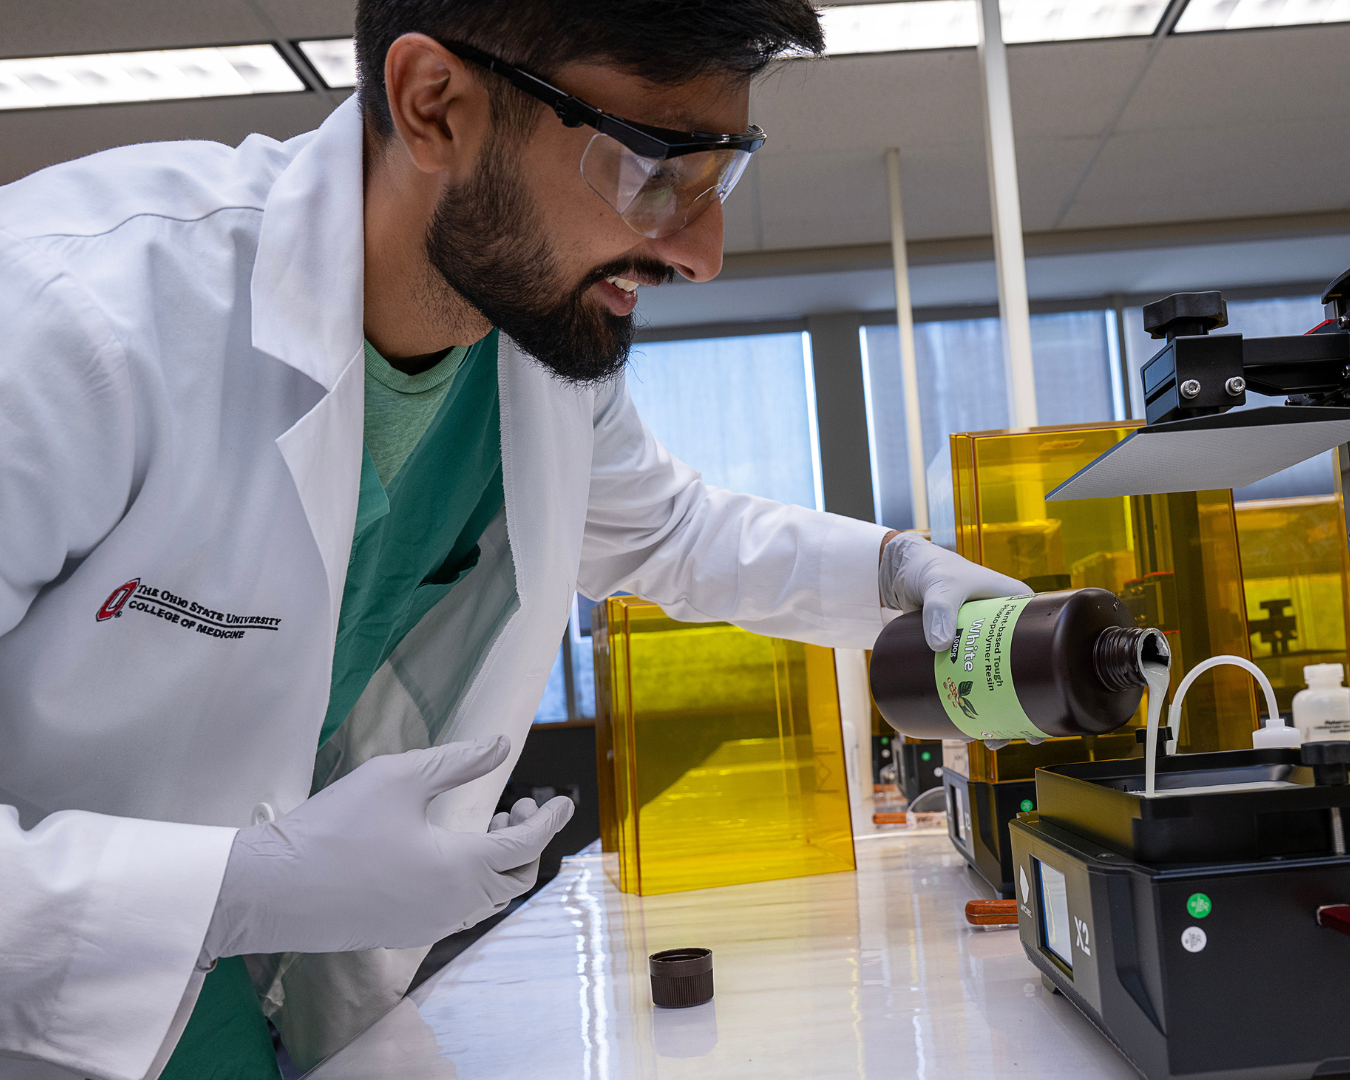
(521, 811)
(915, 573)
(359, 866)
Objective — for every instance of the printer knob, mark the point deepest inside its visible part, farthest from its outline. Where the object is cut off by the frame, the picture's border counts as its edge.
(1330, 761)
(1185, 314)
(1336, 299)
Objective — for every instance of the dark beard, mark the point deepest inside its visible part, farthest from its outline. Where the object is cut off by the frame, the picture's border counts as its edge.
(486, 240)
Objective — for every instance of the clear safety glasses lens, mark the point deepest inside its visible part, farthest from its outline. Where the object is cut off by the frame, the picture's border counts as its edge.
(657, 198)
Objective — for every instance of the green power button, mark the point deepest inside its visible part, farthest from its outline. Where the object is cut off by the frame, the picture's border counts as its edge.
(926, 756)
(1199, 906)
(1028, 806)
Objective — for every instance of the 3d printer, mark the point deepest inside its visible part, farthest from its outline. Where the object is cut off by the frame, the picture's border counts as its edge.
(1204, 926)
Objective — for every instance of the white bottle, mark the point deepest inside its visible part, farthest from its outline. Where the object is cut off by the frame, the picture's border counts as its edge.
(1323, 710)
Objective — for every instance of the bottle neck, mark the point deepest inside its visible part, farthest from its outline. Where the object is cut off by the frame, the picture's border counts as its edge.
(1120, 652)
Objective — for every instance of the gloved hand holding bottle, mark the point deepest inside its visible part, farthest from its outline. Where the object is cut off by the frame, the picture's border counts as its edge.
(359, 865)
(915, 573)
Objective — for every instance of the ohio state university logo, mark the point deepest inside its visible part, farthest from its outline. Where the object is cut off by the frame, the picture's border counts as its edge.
(181, 612)
(112, 606)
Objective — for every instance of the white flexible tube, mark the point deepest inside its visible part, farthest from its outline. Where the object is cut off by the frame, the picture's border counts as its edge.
(1174, 714)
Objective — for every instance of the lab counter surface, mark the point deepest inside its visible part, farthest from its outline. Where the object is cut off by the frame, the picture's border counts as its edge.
(866, 974)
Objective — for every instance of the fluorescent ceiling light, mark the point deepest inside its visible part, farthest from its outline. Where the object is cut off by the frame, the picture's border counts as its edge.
(916, 24)
(334, 59)
(1241, 14)
(164, 74)
(1074, 20)
(952, 24)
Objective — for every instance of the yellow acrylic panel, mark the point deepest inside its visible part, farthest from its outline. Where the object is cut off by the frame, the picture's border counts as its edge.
(720, 753)
(1173, 559)
(1293, 554)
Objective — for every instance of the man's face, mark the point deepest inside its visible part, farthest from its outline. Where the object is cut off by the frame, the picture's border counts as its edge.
(529, 244)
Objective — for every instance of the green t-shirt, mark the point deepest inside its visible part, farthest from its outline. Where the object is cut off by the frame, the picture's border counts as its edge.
(400, 407)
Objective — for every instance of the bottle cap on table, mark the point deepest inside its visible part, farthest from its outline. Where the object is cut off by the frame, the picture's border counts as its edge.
(681, 977)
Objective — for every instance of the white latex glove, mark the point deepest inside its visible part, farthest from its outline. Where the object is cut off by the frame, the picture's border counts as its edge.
(521, 811)
(915, 573)
(359, 866)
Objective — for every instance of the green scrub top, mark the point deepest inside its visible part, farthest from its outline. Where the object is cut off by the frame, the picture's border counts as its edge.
(431, 481)
(418, 536)
(226, 1037)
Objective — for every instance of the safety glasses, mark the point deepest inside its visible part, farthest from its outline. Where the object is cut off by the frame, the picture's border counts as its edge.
(658, 180)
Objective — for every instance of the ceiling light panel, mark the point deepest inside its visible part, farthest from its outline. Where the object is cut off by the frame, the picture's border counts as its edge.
(915, 24)
(334, 59)
(1075, 20)
(1243, 14)
(164, 74)
(952, 24)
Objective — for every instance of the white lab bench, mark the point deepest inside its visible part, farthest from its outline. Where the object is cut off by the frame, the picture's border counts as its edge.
(868, 974)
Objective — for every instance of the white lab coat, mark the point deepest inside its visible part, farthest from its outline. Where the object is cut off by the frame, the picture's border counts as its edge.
(181, 407)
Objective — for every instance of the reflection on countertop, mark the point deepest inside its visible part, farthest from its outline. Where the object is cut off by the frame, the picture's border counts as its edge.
(866, 974)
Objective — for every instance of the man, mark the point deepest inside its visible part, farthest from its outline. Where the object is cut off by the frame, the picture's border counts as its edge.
(306, 446)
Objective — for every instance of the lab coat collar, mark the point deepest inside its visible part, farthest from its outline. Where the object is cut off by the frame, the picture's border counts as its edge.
(307, 302)
(308, 276)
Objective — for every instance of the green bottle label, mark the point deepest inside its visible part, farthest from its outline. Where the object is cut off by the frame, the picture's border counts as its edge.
(974, 678)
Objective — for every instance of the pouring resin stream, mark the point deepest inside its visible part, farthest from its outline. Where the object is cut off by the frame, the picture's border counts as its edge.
(1157, 674)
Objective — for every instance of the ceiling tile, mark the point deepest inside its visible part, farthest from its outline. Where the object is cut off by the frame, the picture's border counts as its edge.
(1223, 171)
(1070, 88)
(311, 18)
(1246, 77)
(55, 27)
(41, 137)
(870, 102)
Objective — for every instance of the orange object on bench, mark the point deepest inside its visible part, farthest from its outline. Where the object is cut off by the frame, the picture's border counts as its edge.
(991, 912)
(888, 817)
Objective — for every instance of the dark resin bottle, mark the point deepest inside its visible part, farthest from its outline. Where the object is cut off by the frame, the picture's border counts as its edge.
(1022, 667)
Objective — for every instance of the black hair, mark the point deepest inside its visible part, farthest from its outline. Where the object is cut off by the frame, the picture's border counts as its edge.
(666, 42)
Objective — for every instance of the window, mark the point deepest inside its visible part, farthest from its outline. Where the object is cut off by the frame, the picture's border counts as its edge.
(553, 706)
(1071, 355)
(570, 692)
(1252, 318)
(742, 411)
(963, 387)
